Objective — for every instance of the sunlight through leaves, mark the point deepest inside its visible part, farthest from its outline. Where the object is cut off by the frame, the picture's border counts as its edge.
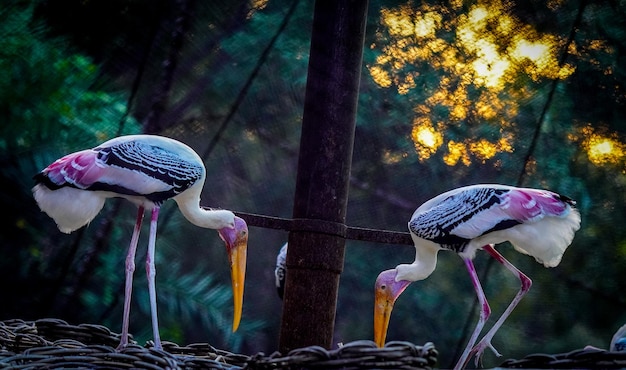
(601, 148)
(481, 56)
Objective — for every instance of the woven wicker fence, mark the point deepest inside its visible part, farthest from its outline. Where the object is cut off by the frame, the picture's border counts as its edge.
(591, 358)
(55, 344)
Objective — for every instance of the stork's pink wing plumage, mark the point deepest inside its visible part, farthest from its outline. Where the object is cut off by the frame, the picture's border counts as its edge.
(80, 169)
(533, 204)
(506, 208)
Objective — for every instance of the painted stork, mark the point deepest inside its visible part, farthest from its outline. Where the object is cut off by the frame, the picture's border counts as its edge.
(618, 342)
(536, 222)
(146, 170)
(281, 270)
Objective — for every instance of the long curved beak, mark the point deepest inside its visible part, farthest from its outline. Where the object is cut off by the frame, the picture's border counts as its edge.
(236, 240)
(383, 305)
(386, 292)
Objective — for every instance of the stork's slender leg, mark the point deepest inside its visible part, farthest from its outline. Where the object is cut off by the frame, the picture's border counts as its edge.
(526, 283)
(484, 313)
(151, 272)
(130, 269)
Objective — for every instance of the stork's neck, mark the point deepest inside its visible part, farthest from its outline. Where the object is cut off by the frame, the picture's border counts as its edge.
(424, 264)
(189, 205)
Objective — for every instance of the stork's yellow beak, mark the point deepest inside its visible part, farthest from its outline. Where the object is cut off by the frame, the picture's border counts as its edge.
(236, 240)
(387, 290)
(383, 305)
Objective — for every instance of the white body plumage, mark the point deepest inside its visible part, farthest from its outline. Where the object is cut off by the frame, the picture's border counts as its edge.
(536, 222)
(144, 169)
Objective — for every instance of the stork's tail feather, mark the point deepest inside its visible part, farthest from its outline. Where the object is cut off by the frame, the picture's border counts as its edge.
(42, 178)
(547, 240)
(70, 208)
(566, 199)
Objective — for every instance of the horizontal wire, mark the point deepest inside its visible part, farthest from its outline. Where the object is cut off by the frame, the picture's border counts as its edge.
(327, 227)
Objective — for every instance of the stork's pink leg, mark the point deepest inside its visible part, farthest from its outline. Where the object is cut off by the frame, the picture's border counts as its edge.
(151, 272)
(526, 283)
(130, 269)
(484, 313)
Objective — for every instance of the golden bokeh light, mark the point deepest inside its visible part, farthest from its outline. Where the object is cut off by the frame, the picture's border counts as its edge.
(478, 53)
(602, 149)
(538, 59)
(426, 138)
(484, 149)
(457, 152)
(538, 52)
(380, 76)
(256, 6)
(428, 24)
(481, 149)
(390, 157)
(398, 21)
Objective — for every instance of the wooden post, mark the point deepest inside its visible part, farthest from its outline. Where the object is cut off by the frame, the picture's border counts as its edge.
(317, 239)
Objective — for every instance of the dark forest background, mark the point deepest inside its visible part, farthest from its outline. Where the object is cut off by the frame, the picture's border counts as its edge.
(528, 93)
